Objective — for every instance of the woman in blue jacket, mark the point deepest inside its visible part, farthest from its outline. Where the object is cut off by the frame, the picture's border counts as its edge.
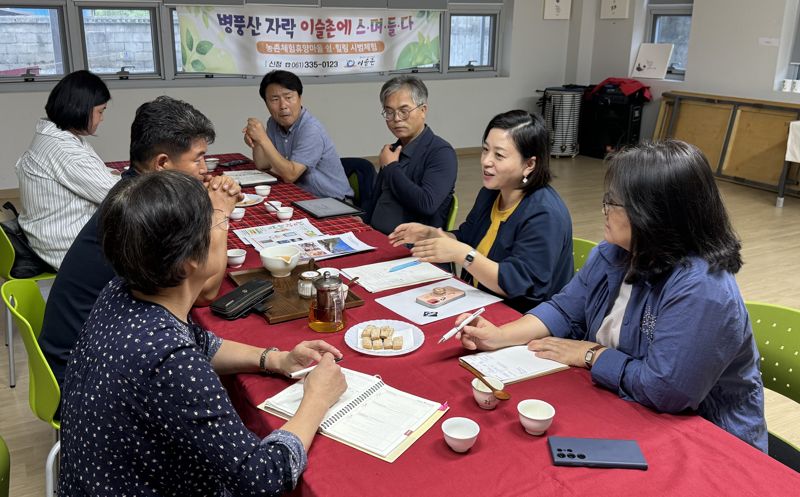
(517, 239)
(655, 313)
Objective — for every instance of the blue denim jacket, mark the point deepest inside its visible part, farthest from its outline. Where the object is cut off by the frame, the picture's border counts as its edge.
(686, 343)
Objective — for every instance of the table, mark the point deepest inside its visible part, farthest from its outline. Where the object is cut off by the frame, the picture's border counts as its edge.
(687, 454)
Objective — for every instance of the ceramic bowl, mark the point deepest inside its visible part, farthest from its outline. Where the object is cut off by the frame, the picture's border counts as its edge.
(535, 415)
(211, 163)
(483, 396)
(460, 433)
(280, 260)
(237, 214)
(272, 206)
(285, 213)
(263, 190)
(236, 257)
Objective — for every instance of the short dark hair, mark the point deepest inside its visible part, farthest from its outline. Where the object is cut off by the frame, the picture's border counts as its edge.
(529, 134)
(286, 79)
(166, 126)
(152, 224)
(73, 99)
(674, 209)
(414, 85)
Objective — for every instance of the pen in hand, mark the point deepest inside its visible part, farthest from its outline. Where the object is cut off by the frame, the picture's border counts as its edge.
(301, 373)
(450, 334)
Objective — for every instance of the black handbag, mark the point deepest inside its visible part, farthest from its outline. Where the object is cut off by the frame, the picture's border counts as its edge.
(241, 301)
(27, 263)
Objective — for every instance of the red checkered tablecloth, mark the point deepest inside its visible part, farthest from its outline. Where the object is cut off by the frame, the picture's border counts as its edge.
(286, 193)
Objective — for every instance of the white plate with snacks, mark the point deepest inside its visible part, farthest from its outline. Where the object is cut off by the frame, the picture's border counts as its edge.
(250, 200)
(412, 337)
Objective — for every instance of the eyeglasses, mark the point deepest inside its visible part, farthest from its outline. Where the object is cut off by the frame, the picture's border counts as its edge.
(608, 203)
(223, 225)
(401, 114)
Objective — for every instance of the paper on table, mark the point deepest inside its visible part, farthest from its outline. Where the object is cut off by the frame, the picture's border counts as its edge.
(512, 364)
(405, 303)
(251, 177)
(377, 278)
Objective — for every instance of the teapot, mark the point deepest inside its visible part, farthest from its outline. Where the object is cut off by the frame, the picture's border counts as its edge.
(326, 312)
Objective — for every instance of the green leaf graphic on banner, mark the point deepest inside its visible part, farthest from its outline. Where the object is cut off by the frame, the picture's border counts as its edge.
(205, 19)
(189, 40)
(204, 47)
(198, 65)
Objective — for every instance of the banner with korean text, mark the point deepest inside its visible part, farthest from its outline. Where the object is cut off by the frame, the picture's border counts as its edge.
(255, 39)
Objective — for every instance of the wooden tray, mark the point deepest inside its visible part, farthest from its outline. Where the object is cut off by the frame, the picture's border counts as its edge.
(286, 303)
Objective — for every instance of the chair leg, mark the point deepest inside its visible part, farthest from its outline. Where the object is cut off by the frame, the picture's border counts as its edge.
(12, 369)
(50, 470)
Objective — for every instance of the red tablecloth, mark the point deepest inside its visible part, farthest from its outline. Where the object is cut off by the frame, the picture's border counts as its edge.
(687, 454)
(286, 193)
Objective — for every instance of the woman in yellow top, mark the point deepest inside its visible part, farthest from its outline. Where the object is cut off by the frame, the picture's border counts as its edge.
(517, 239)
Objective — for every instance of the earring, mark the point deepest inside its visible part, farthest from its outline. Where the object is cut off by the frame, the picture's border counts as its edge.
(524, 180)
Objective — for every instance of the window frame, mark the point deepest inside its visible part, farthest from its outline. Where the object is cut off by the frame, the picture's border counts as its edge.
(654, 12)
(66, 56)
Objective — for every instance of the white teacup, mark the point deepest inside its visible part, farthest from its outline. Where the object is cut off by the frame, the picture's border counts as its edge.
(483, 396)
(460, 433)
(285, 213)
(211, 163)
(237, 214)
(263, 190)
(272, 205)
(535, 415)
(236, 257)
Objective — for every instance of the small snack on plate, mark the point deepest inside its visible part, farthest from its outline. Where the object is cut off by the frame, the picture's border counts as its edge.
(367, 331)
(366, 343)
(387, 344)
(374, 333)
(397, 343)
(377, 344)
(386, 331)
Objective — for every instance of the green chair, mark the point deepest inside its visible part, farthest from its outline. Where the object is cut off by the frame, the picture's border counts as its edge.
(580, 252)
(7, 257)
(5, 468)
(450, 224)
(776, 330)
(24, 300)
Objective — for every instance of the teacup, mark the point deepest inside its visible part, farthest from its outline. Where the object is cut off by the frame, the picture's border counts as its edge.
(237, 214)
(211, 163)
(272, 205)
(236, 257)
(460, 433)
(285, 213)
(483, 395)
(263, 190)
(535, 415)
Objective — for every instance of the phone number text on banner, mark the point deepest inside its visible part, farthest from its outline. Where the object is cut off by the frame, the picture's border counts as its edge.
(256, 39)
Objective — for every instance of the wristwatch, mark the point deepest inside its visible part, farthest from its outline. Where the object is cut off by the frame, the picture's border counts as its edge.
(262, 363)
(589, 357)
(469, 258)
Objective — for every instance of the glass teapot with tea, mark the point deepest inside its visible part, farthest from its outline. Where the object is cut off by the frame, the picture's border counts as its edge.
(326, 312)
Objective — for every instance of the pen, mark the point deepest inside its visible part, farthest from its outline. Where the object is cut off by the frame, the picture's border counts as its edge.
(404, 265)
(303, 372)
(450, 334)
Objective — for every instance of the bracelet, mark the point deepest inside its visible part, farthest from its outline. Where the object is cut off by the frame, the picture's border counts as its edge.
(262, 363)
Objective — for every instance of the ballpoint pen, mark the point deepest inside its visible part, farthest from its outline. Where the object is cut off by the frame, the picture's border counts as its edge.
(303, 372)
(450, 334)
(404, 265)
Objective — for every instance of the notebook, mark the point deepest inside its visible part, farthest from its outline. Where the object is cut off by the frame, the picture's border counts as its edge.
(327, 207)
(379, 276)
(370, 416)
(251, 177)
(512, 364)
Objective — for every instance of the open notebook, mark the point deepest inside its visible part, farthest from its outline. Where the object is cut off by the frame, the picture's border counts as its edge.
(370, 416)
(512, 364)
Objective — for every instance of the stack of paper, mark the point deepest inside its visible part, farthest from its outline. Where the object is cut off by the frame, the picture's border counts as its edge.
(406, 305)
(251, 177)
(379, 277)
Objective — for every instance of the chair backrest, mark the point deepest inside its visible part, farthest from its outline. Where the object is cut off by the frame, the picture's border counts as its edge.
(361, 175)
(777, 333)
(24, 299)
(5, 468)
(6, 256)
(580, 252)
(450, 224)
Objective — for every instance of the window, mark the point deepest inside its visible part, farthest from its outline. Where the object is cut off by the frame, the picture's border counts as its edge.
(31, 42)
(671, 23)
(119, 40)
(472, 40)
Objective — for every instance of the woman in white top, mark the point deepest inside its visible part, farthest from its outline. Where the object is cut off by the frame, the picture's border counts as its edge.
(62, 180)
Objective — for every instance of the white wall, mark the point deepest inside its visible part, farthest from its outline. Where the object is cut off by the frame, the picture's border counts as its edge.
(459, 109)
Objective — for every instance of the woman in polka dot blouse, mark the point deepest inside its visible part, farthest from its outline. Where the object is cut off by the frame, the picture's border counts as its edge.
(144, 412)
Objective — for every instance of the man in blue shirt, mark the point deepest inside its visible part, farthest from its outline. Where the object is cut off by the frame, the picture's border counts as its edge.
(295, 145)
(418, 172)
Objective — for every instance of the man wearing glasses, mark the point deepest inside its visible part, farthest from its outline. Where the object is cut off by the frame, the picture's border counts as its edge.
(295, 145)
(418, 172)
